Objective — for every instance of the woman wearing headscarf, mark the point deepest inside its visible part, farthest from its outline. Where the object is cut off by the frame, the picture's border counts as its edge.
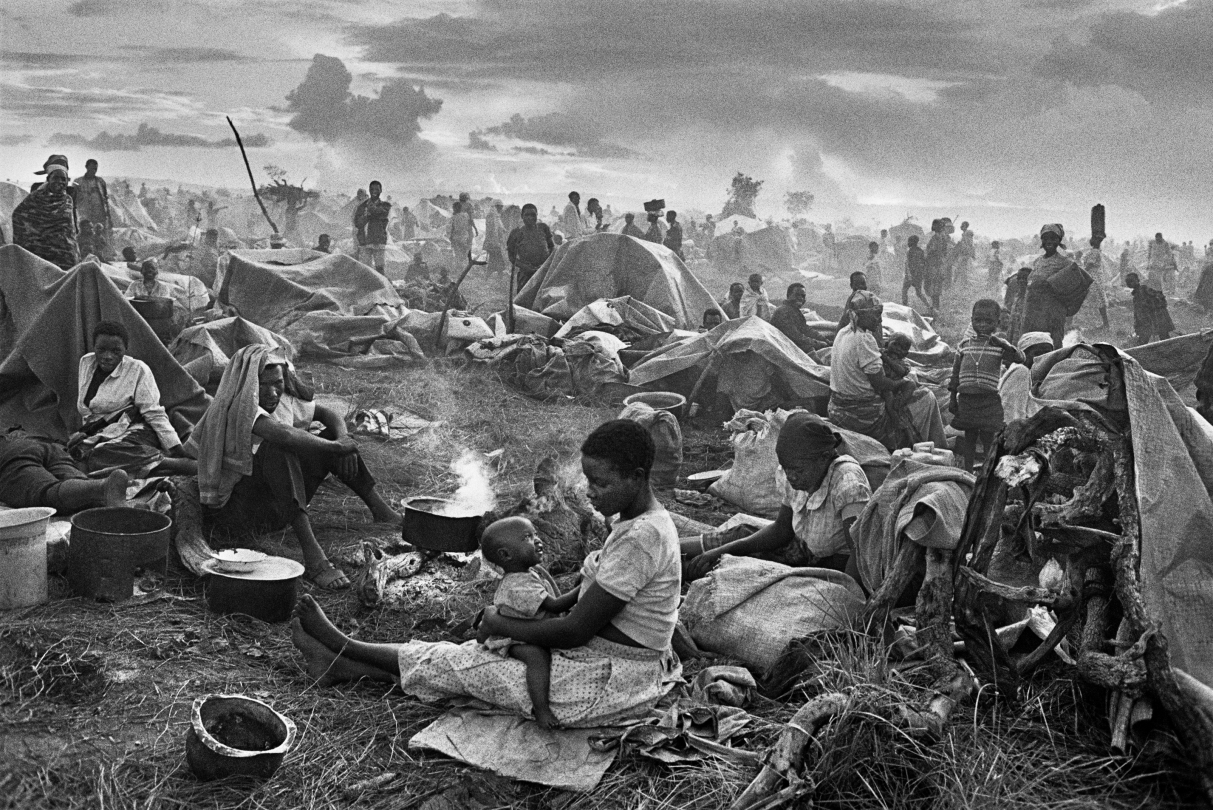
(258, 466)
(1043, 309)
(858, 383)
(826, 492)
(44, 223)
(1015, 385)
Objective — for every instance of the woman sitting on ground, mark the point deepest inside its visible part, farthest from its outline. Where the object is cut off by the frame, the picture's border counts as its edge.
(826, 492)
(124, 426)
(258, 468)
(611, 656)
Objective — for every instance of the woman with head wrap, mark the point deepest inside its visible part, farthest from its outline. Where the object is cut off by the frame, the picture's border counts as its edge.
(858, 383)
(826, 491)
(258, 466)
(44, 223)
(1043, 308)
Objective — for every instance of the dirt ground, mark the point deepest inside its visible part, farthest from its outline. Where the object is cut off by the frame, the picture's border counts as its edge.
(95, 699)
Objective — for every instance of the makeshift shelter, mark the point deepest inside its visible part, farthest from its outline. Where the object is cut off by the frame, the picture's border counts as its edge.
(750, 357)
(146, 244)
(431, 217)
(126, 211)
(206, 349)
(618, 315)
(46, 322)
(11, 196)
(767, 251)
(610, 265)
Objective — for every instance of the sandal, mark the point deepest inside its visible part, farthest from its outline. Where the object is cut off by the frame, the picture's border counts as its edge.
(330, 579)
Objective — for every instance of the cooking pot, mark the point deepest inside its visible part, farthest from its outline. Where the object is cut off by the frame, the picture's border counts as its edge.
(266, 591)
(234, 735)
(436, 524)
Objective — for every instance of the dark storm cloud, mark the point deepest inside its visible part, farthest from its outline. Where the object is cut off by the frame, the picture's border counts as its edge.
(324, 107)
(147, 135)
(1168, 56)
(109, 8)
(543, 39)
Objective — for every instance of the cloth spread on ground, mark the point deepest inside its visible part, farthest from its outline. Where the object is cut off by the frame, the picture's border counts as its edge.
(911, 486)
(222, 441)
(760, 350)
(610, 265)
(46, 322)
(750, 609)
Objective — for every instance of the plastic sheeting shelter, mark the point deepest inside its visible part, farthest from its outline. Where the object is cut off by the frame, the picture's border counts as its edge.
(11, 196)
(46, 322)
(767, 251)
(611, 265)
(740, 343)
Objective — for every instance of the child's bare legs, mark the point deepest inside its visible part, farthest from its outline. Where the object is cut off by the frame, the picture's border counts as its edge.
(333, 656)
(538, 681)
(968, 448)
(986, 437)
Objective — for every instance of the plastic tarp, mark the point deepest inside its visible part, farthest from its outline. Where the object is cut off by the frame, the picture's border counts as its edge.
(188, 293)
(927, 346)
(11, 196)
(274, 288)
(610, 265)
(626, 313)
(1178, 358)
(767, 251)
(206, 349)
(46, 322)
(146, 245)
(740, 341)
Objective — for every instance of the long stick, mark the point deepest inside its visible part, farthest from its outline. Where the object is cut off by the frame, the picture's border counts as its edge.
(249, 169)
(509, 301)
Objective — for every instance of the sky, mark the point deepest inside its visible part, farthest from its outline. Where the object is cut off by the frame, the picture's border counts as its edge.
(1006, 113)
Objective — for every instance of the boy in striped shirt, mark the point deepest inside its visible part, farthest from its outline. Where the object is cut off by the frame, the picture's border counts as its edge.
(976, 404)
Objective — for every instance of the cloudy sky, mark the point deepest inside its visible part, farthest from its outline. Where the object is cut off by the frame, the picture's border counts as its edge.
(1008, 113)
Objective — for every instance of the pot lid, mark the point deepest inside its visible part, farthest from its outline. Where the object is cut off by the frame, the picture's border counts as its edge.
(269, 569)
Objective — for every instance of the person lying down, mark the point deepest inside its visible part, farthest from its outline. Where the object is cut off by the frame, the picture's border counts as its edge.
(527, 591)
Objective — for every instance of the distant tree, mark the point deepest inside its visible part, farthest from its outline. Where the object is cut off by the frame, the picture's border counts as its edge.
(798, 202)
(276, 173)
(742, 193)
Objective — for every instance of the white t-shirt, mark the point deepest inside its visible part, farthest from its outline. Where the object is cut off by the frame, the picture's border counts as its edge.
(819, 517)
(640, 565)
(291, 411)
(855, 355)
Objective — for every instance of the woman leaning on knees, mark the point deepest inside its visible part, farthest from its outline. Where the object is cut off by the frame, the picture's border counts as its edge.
(611, 658)
(258, 466)
(827, 490)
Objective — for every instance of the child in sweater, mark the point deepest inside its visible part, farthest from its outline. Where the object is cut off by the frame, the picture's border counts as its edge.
(976, 404)
(527, 591)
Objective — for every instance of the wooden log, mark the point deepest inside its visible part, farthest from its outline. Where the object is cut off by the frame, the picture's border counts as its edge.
(934, 612)
(1026, 593)
(882, 600)
(787, 754)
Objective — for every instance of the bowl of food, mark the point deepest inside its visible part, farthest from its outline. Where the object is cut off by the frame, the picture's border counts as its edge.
(700, 481)
(234, 735)
(237, 560)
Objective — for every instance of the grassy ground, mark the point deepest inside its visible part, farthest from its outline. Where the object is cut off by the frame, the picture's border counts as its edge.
(95, 699)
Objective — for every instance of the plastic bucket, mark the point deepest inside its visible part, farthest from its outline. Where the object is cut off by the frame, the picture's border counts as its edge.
(23, 556)
(110, 544)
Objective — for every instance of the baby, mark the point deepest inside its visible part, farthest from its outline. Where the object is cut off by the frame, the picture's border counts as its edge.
(527, 591)
(893, 362)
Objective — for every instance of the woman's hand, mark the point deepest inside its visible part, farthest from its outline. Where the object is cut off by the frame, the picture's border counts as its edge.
(486, 627)
(700, 566)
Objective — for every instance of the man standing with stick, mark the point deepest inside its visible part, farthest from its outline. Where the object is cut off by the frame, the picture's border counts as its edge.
(370, 227)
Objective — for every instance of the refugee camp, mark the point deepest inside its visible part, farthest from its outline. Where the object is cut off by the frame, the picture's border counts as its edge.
(638, 405)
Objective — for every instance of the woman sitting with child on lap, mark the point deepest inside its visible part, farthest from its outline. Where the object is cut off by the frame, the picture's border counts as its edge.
(609, 656)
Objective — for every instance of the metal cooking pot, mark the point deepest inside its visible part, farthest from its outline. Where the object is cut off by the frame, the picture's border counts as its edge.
(267, 591)
(426, 528)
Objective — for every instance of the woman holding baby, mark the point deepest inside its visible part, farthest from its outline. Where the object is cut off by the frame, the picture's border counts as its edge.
(607, 644)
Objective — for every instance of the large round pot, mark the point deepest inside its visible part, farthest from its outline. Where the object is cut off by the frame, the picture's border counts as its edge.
(436, 524)
(110, 544)
(232, 735)
(266, 591)
(660, 401)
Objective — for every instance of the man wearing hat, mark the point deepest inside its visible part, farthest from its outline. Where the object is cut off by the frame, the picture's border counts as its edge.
(44, 223)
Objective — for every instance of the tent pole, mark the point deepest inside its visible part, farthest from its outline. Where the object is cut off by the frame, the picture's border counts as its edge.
(249, 169)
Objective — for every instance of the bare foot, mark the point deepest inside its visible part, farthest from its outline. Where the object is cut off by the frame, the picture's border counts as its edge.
(311, 618)
(387, 516)
(545, 718)
(317, 658)
(115, 488)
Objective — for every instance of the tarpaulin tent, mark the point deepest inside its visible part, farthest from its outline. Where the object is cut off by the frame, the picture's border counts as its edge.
(146, 244)
(1178, 359)
(751, 355)
(610, 265)
(618, 314)
(10, 197)
(189, 294)
(206, 349)
(272, 288)
(767, 251)
(46, 322)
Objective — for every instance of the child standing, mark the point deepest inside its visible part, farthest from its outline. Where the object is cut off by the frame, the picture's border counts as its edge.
(976, 404)
(916, 269)
(994, 266)
(754, 300)
(527, 591)
(872, 268)
(859, 281)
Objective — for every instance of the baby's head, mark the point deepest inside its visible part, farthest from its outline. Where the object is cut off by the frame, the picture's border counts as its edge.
(898, 346)
(512, 544)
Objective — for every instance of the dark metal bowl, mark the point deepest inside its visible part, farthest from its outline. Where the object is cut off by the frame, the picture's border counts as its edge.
(437, 532)
(210, 758)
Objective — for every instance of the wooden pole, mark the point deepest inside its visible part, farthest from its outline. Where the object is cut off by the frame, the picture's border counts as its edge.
(509, 302)
(253, 182)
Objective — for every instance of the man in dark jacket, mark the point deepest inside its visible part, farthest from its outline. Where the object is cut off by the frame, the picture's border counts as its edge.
(789, 319)
(370, 226)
